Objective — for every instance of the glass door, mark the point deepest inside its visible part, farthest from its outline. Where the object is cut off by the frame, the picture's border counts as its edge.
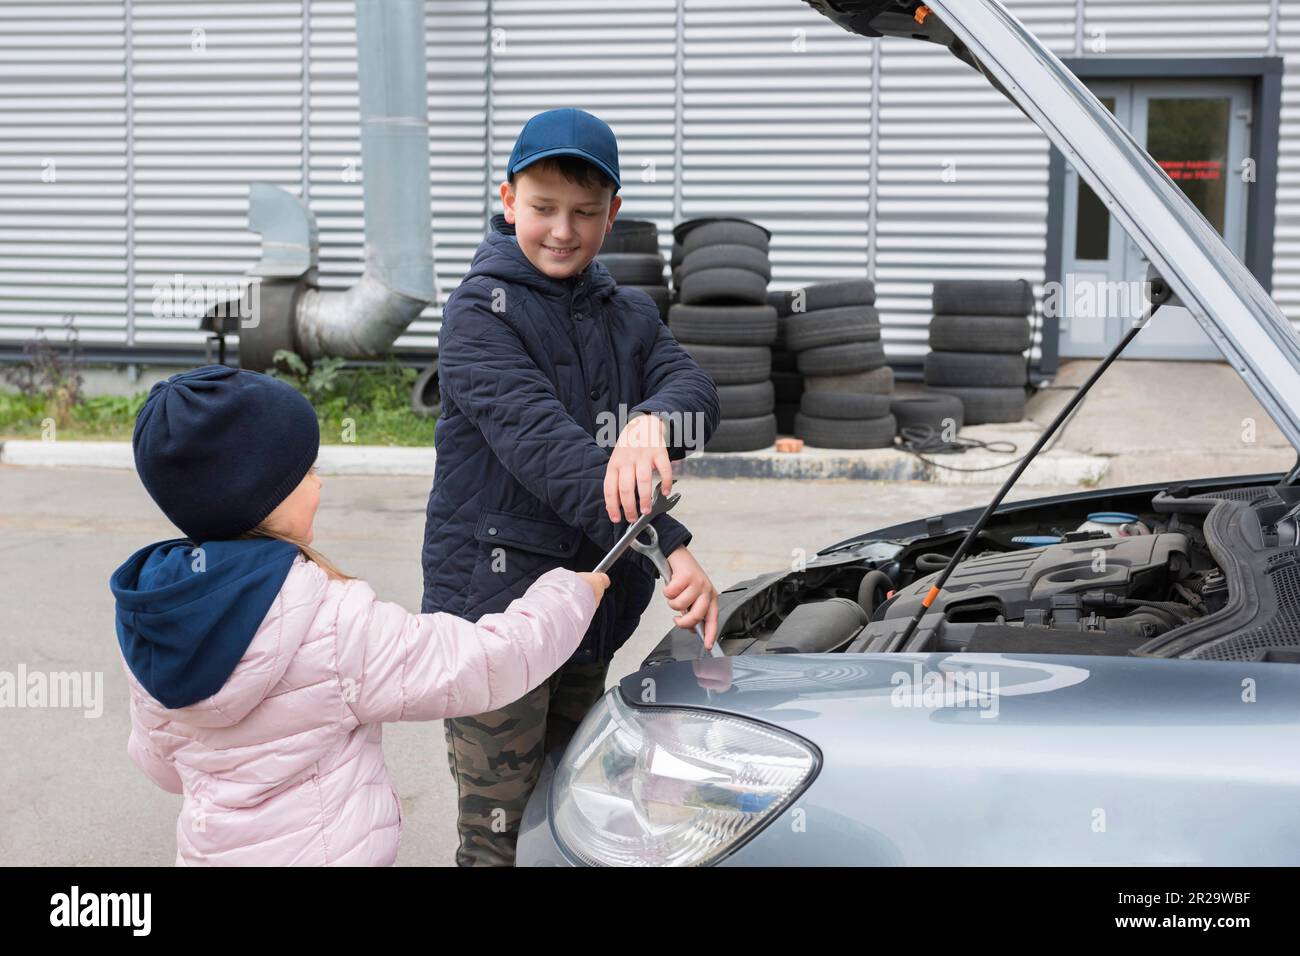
(1198, 131)
(1093, 253)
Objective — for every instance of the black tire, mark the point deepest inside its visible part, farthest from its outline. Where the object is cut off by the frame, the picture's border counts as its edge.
(661, 295)
(876, 381)
(979, 333)
(732, 364)
(634, 268)
(785, 413)
(831, 295)
(746, 401)
(974, 369)
(983, 297)
(931, 411)
(985, 406)
(677, 255)
(783, 360)
(727, 255)
(698, 233)
(841, 359)
(788, 387)
(850, 323)
(723, 324)
(844, 405)
(632, 235)
(743, 434)
(724, 285)
(426, 393)
(846, 433)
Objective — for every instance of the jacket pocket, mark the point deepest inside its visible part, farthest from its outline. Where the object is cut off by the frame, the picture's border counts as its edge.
(502, 528)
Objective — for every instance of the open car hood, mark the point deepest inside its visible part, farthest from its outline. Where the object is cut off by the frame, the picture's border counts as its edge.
(1186, 251)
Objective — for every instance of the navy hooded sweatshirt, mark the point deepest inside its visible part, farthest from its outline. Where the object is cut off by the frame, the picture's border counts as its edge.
(187, 613)
(538, 376)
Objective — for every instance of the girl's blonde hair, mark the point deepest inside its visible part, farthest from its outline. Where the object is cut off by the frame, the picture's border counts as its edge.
(307, 551)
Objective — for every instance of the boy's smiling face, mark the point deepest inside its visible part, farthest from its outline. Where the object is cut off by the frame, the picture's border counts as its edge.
(560, 224)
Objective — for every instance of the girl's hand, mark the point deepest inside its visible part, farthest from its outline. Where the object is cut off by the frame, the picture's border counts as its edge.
(598, 581)
(640, 451)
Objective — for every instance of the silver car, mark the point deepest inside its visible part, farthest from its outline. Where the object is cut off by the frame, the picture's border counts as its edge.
(1085, 689)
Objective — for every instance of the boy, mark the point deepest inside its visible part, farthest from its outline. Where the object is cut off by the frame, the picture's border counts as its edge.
(542, 359)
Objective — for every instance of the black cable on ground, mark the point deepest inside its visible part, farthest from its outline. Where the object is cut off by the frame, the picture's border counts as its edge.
(922, 440)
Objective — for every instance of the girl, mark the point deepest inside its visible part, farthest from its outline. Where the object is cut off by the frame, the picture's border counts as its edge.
(259, 674)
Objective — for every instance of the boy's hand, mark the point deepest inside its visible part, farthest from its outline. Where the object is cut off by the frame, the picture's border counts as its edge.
(640, 450)
(691, 592)
(598, 581)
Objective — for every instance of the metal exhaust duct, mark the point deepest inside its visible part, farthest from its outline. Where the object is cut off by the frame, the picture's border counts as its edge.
(291, 311)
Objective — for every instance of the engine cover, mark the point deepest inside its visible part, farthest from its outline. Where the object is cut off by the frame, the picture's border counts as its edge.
(1006, 584)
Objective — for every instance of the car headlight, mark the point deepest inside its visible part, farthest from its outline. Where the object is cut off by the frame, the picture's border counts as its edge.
(660, 786)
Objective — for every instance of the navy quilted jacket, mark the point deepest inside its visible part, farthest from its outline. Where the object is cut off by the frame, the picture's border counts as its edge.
(527, 365)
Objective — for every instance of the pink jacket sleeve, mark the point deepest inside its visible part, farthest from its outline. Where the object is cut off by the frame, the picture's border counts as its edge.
(155, 766)
(395, 665)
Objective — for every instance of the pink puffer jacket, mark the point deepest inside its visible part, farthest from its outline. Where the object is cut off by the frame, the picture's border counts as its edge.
(284, 765)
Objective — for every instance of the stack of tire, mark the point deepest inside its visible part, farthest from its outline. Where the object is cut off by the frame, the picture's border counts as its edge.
(787, 382)
(978, 338)
(721, 316)
(631, 254)
(833, 331)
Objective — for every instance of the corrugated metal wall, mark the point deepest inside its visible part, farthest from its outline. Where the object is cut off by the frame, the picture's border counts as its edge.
(761, 109)
(63, 173)
(1286, 248)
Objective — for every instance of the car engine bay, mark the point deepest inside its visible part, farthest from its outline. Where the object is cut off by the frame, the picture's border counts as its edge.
(1211, 575)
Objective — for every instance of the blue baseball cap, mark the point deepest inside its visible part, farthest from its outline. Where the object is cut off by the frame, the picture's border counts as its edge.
(567, 132)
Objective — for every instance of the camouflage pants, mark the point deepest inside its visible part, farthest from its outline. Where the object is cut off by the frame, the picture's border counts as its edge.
(496, 758)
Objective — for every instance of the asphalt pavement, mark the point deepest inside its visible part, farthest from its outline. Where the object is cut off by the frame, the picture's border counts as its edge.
(72, 797)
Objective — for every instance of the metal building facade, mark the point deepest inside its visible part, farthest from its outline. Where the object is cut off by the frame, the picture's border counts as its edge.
(129, 133)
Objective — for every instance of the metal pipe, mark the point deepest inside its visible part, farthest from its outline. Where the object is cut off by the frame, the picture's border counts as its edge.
(397, 284)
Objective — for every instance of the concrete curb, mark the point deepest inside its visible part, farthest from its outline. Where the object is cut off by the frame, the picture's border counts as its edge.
(883, 464)
(334, 459)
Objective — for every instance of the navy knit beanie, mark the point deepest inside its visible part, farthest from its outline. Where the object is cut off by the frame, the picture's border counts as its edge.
(219, 447)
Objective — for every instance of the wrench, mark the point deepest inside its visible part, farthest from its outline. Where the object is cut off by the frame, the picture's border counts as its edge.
(659, 505)
(651, 550)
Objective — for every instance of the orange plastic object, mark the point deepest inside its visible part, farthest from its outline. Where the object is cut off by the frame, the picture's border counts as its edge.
(789, 445)
(929, 598)
(922, 12)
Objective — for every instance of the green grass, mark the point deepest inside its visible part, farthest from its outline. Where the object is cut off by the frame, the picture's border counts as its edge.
(364, 406)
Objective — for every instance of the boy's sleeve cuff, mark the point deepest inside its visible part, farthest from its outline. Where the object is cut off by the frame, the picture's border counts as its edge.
(672, 534)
